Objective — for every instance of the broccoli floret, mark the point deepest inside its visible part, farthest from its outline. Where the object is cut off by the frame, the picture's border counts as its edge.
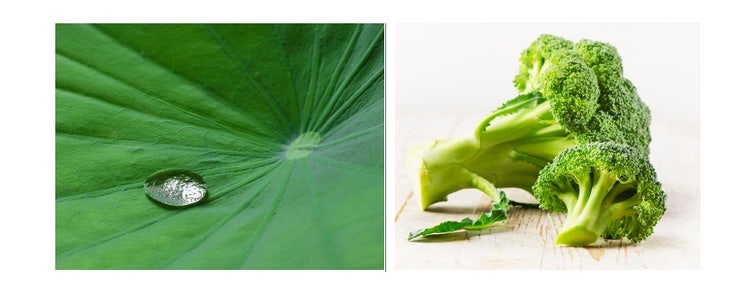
(534, 61)
(622, 116)
(607, 189)
(563, 103)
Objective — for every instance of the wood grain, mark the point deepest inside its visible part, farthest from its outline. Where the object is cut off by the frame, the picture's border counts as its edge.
(526, 239)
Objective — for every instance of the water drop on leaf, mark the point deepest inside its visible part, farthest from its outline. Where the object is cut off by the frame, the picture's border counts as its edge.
(176, 187)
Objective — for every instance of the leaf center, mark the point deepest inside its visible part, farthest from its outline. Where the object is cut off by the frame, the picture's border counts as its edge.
(303, 145)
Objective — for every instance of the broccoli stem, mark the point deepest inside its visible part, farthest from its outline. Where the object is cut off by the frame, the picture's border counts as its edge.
(601, 200)
(534, 81)
(446, 166)
(508, 149)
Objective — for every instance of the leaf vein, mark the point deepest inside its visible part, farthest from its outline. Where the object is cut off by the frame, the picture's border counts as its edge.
(142, 143)
(232, 54)
(312, 85)
(334, 101)
(228, 135)
(201, 87)
(284, 181)
(340, 66)
(334, 249)
(352, 136)
(223, 221)
(331, 119)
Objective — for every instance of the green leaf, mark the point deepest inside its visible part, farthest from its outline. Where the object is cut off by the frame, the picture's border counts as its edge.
(498, 213)
(284, 123)
(520, 103)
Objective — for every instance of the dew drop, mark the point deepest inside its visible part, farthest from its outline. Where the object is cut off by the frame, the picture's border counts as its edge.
(176, 187)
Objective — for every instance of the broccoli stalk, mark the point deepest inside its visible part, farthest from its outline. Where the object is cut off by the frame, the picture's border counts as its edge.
(601, 200)
(510, 146)
(508, 149)
(572, 94)
(607, 189)
(574, 100)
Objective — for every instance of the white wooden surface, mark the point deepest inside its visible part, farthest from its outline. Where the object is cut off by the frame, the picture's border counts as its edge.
(526, 239)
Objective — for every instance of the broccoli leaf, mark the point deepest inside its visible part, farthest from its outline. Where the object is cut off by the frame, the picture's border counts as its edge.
(284, 123)
(522, 102)
(498, 213)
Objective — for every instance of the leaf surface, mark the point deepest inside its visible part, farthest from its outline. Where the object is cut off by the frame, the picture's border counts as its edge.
(498, 213)
(284, 123)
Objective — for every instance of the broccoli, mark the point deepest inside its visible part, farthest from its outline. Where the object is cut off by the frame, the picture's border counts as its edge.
(570, 94)
(607, 189)
(622, 117)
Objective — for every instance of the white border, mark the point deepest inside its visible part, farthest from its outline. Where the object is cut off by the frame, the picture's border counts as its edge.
(27, 216)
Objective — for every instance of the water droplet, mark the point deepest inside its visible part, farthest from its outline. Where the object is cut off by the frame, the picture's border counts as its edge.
(176, 187)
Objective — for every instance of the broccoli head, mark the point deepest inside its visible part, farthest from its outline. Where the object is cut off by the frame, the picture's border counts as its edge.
(563, 102)
(607, 189)
(622, 116)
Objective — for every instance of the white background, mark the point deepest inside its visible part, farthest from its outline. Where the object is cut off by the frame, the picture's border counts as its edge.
(27, 116)
(469, 67)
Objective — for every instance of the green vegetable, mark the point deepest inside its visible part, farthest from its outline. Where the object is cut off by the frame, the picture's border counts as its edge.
(607, 189)
(570, 95)
(498, 213)
(284, 123)
(580, 123)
